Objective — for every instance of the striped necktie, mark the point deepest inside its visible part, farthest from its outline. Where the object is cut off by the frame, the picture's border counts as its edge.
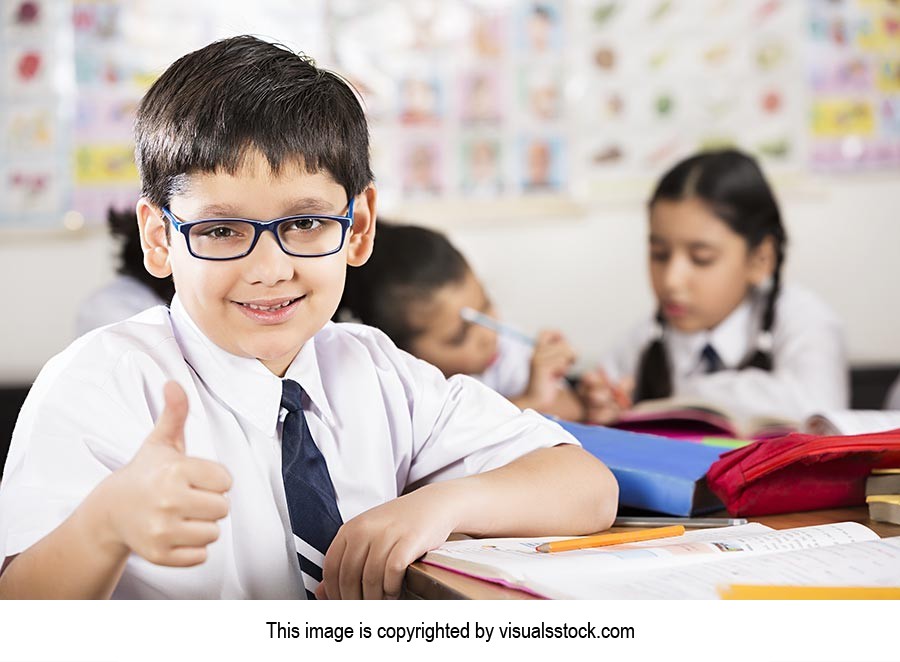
(315, 518)
(711, 360)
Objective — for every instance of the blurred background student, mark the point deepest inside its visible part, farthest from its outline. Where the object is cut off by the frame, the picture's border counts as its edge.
(415, 287)
(133, 290)
(727, 330)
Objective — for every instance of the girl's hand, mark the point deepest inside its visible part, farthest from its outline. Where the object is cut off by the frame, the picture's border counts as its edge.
(603, 400)
(552, 359)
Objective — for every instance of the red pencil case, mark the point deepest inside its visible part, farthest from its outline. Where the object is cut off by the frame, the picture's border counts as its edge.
(801, 472)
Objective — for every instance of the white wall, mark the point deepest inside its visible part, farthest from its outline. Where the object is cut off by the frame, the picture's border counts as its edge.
(585, 276)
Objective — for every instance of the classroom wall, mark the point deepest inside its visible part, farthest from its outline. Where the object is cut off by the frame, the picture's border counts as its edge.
(584, 275)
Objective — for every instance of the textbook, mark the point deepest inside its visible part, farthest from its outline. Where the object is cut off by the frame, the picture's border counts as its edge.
(884, 508)
(691, 566)
(883, 481)
(654, 473)
(690, 419)
(849, 422)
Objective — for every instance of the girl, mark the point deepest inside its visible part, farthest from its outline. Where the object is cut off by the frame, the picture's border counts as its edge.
(727, 330)
(415, 287)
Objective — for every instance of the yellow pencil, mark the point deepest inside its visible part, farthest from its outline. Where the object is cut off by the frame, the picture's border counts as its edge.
(605, 539)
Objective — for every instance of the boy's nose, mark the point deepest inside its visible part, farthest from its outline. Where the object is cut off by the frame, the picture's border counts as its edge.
(267, 263)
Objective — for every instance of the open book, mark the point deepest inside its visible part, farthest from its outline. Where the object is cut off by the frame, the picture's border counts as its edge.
(691, 566)
(855, 421)
(693, 419)
(688, 418)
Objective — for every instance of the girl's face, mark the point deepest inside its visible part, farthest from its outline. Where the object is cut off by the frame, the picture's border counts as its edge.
(700, 268)
(446, 340)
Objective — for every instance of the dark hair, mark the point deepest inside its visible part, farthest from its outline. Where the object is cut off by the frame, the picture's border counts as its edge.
(211, 106)
(124, 228)
(408, 265)
(734, 188)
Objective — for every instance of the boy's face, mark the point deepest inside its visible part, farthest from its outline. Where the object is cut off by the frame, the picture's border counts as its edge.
(446, 340)
(267, 304)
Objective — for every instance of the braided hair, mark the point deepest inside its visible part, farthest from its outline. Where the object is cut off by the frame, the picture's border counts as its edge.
(734, 188)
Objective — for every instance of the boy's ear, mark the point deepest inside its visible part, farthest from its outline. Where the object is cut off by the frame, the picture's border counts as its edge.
(154, 241)
(762, 261)
(362, 234)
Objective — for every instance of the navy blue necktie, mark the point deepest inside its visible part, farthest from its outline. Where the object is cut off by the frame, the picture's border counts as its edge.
(315, 518)
(710, 359)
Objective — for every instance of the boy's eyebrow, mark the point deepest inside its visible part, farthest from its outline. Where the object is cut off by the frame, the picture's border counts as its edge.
(305, 205)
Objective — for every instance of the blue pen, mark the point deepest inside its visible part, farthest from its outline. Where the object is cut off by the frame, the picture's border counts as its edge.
(475, 317)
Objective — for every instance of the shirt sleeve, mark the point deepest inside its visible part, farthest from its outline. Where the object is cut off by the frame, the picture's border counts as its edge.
(67, 439)
(460, 427)
(893, 398)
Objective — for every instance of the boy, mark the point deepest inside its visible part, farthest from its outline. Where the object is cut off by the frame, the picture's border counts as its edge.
(343, 459)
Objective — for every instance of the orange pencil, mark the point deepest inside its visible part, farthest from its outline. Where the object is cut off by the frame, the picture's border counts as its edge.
(605, 539)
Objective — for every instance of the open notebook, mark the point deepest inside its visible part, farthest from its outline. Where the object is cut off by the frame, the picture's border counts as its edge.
(691, 566)
(689, 418)
(694, 419)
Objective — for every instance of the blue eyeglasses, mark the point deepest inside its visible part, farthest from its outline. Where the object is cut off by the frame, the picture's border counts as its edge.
(306, 235)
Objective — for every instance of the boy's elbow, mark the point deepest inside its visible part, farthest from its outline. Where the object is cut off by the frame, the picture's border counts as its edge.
(608, 498)
(600, 491)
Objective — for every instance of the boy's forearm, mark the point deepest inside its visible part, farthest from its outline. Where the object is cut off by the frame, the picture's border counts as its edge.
(552, 491)
(76, 560)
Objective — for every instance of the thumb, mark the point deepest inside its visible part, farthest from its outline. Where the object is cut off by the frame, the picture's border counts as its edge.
(169, 429)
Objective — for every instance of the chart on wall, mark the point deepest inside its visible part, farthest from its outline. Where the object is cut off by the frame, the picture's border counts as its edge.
(469, 102)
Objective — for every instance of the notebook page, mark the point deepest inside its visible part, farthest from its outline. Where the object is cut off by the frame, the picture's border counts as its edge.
(516, 562)
(868, 563)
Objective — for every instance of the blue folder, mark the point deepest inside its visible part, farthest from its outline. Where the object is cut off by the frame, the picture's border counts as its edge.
(654, 473)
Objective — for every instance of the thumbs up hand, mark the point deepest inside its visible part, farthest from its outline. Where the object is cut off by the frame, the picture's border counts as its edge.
(164, 505)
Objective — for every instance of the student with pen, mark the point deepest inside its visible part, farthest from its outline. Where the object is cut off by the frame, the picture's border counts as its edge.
(420, 290)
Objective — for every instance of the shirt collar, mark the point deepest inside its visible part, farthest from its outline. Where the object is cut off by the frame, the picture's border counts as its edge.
(244, 384)
(731, 340)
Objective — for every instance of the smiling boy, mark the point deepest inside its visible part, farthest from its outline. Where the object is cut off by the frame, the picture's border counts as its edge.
(240, 445)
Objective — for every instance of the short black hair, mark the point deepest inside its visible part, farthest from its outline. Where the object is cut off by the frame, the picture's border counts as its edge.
(409, 264)
(212, 105)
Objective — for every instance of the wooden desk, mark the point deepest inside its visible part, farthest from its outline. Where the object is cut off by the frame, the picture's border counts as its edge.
(431, 583)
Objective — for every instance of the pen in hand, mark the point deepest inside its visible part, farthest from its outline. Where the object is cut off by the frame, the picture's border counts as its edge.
(476, 317)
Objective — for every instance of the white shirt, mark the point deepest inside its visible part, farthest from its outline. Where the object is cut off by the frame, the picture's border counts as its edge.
(384, 421)
(810, 364)
(893, 398)
(120, 299)
(510, 372)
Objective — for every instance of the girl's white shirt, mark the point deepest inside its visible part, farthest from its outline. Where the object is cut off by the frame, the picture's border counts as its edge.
(810, 372)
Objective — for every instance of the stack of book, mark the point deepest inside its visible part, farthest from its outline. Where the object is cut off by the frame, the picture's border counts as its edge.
(883, 495)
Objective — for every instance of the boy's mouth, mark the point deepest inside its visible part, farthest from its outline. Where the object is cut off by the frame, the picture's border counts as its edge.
(270, 311)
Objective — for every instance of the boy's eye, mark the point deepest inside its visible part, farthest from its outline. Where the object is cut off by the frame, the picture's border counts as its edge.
(301, 225)
(218, 231)
(659, 256)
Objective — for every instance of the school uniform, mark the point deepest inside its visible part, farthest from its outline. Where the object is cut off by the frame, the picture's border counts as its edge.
(810, 365)
(893, 397)
(384, 421)
(120, 299)
(510, 372)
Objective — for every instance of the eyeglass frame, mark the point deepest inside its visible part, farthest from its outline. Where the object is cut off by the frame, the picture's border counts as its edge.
(184, 227)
